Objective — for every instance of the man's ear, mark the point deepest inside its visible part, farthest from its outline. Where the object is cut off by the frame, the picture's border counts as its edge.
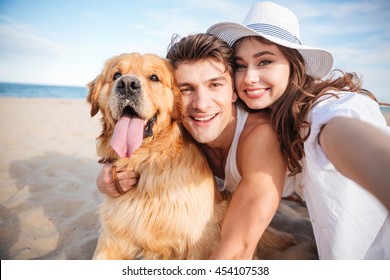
(235, 96)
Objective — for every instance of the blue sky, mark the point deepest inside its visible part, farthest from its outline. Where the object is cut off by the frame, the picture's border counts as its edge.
(67, 42)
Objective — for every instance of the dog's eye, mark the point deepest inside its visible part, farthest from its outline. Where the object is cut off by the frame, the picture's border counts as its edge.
(154, 78)
(117, 75)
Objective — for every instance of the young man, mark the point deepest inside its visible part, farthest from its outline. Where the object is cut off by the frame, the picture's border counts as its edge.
(242, 149)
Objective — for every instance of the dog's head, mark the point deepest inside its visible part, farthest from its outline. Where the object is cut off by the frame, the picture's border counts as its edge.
(137, 97)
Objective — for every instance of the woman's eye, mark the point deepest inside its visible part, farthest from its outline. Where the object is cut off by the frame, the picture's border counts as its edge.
(154, 78)
(117, 75)
(238, 67)
(265, 63)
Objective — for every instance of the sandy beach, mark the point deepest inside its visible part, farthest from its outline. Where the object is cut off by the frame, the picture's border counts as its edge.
(48, 166)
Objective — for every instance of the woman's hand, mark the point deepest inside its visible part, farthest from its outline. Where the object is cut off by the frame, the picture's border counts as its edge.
(127, 179)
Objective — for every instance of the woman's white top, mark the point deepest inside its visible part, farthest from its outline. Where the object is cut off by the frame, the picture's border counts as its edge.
(348, 222)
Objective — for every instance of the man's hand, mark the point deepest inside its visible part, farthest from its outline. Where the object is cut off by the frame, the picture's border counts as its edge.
(127, 179)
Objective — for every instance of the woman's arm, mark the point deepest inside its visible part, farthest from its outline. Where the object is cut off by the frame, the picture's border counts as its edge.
(257, 196)
(360, 152)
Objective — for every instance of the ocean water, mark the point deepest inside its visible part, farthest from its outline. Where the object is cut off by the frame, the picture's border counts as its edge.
(42, 91)
(385, 109)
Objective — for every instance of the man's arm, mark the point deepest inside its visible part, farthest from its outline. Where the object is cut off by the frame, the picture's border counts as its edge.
(257, 196)
(360, 152)
(104, 181)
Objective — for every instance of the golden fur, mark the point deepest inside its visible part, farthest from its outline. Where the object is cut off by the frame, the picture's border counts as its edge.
(176, 210)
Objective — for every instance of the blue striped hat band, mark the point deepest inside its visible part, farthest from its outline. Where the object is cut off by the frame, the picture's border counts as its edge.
(272, 30)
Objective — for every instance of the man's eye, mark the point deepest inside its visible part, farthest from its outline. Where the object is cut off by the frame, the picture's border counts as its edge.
(214, 85)
(117, 75)
(186, 91)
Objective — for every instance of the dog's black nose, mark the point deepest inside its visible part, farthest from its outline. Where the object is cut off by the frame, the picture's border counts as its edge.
(128, 85)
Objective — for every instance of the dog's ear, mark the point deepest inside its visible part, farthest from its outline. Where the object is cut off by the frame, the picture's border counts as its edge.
(93, 95)
(178, 108)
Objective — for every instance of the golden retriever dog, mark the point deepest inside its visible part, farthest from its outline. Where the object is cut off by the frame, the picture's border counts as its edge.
(176, 210)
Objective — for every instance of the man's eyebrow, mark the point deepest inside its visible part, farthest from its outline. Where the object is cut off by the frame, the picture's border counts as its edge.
(185, 84)
(211, 80)
(217, 79)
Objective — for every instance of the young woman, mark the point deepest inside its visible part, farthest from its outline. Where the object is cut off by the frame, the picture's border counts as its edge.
(331, 130)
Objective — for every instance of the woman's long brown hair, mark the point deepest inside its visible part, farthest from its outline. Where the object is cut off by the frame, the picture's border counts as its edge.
(289, 112)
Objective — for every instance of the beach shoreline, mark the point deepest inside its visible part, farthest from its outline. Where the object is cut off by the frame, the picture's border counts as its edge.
(48, 167)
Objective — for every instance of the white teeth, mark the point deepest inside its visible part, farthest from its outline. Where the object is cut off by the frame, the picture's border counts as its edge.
(254, 92)
(204, 119)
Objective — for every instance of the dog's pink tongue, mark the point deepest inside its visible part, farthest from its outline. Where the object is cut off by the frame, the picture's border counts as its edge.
(128, 135)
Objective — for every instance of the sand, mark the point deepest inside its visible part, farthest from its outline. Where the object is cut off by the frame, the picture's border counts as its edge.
(48, 166)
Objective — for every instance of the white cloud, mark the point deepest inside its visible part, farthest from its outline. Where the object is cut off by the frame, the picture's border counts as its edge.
(19, 41)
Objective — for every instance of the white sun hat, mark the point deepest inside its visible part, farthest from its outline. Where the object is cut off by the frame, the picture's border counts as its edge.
(280, 26)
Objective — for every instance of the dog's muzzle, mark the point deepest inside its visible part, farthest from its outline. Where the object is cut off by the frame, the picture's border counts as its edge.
(128, 91)
(131, 127)
(128, 85)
